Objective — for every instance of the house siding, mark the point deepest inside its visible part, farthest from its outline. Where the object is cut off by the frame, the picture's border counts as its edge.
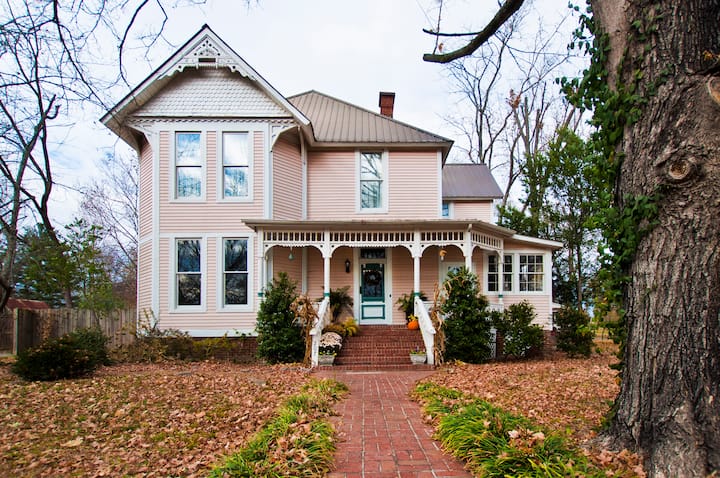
(145, 191)
(413, 185)
(144, 298)
(473, 210)
(287, 181)
(331, 185)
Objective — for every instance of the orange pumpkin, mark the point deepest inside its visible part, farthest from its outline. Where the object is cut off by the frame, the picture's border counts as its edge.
(413, 325)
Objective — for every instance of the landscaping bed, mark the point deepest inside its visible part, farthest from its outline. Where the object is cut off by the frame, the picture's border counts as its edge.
(150, 420)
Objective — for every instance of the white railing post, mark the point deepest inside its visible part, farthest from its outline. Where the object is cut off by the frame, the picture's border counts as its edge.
(323, 319)
(426, 328)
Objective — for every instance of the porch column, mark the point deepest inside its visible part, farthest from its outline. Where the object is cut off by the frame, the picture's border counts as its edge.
(501, 275)
(327, 254)
(468, 249)
(416, 252)
(261, 264)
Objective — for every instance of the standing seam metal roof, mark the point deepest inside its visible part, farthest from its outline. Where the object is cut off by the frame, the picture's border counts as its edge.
(336, 121)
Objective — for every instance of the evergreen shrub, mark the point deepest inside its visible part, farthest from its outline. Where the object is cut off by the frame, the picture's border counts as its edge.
(521, 337)
(467, 319)
(280, 338)
(73, 355)
(575, 335)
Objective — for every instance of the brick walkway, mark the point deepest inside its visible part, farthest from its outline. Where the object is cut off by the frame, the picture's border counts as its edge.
(381, 431)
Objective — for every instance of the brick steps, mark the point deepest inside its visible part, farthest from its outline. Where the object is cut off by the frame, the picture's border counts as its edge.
(380, 347)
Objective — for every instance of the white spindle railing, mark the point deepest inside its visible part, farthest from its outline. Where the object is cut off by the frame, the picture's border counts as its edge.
(426, 328)
(323, 320)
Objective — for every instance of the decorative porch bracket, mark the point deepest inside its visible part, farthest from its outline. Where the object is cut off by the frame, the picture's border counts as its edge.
(322, 321)
(426, 328)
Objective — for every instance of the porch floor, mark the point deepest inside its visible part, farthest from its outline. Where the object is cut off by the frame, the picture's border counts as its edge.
(381, 430)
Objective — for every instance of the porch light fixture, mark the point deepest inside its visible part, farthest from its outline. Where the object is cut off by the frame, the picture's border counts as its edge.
(291, 256)
(442, 254)
(347, 265)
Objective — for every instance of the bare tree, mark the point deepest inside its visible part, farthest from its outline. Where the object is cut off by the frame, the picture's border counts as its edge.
(46, 49)
(662, 61)
(110, 202)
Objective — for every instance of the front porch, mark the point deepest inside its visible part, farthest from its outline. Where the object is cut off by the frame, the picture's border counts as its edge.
(378, 261)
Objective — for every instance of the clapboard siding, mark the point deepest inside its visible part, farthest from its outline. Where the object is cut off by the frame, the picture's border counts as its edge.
(413, 185)
(145, 191)
(473, 210)
(331, 185)
(287, 181)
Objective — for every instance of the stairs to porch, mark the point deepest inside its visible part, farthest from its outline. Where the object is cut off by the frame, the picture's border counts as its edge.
(380, 347)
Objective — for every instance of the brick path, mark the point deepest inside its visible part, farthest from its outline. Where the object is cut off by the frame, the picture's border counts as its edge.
(381, 431)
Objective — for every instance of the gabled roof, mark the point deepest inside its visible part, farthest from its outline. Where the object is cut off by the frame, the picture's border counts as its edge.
(469, 182)
(204, 50)
(338, 122)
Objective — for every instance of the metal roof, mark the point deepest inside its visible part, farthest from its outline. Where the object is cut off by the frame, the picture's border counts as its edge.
(469, 181)
(336, 121)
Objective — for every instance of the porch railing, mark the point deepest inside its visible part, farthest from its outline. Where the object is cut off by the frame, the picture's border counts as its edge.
(426, 328)
(324, 318)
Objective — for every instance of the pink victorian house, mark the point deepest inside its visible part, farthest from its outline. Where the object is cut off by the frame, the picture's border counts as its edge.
(238, 183)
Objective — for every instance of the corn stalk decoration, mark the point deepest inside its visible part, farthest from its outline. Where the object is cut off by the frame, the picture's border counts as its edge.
(306, 315)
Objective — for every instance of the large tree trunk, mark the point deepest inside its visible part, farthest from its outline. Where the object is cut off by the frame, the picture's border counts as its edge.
(669, 403)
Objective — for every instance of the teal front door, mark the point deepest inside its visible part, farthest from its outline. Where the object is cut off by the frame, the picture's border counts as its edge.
(372, 292)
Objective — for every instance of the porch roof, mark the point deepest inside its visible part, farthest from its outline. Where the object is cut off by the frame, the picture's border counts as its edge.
(380, 225)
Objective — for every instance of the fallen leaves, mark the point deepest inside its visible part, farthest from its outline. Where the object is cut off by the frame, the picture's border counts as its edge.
(570, 396)
(147, 420)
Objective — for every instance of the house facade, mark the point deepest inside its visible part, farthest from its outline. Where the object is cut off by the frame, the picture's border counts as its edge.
(238, 183)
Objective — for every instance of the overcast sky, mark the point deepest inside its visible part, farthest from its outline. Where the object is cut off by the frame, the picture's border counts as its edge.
(350, 49)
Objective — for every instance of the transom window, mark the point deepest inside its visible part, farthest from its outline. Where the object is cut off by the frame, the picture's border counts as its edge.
(532, 273)
(236, 165)
(235, 271)
(188, 276)
(188, 165)
(372, 177)
(493, 278)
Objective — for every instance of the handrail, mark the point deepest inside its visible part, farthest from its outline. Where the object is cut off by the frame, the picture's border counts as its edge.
(426, 328)
(323, 320)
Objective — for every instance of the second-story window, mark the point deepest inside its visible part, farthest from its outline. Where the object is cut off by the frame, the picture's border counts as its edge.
(188, 166)
(372, 177)
(236, 165)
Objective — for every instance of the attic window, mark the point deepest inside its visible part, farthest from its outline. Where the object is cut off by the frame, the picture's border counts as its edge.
(205, 59)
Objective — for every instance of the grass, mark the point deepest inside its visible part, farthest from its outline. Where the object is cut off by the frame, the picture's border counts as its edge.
(299, 441)
(496, 443)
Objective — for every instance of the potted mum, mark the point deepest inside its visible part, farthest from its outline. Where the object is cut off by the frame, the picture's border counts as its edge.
(330, 345)
(418, 356)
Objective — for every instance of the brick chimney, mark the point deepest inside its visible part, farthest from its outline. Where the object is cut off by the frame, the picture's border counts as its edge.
(387, 103)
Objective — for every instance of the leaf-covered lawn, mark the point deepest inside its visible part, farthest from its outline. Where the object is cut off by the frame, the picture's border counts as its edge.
(155, 420)
(557, 393)
(569, 396)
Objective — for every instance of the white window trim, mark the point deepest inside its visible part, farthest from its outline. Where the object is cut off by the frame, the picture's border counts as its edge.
(546, 271)
(385, 183)
(188, 309)
(220, 168)
(203, 167)
(220, 278)
(547, 274)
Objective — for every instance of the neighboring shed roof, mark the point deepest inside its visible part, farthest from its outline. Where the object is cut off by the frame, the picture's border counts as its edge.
(336, 121)
(26, 304)
(469, 181)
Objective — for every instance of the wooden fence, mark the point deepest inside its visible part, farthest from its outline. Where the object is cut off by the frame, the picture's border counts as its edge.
(21, 329)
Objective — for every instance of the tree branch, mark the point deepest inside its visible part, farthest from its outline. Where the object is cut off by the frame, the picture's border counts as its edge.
(505, 12)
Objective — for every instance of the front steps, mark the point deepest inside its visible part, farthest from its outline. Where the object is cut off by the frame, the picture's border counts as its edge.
(379, 347)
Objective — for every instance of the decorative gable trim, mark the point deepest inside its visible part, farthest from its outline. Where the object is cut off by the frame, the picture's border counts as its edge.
(208, 54)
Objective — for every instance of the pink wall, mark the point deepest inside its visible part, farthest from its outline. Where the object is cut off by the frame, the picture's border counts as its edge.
(145, 190)
(287, 180)
(473, 210)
